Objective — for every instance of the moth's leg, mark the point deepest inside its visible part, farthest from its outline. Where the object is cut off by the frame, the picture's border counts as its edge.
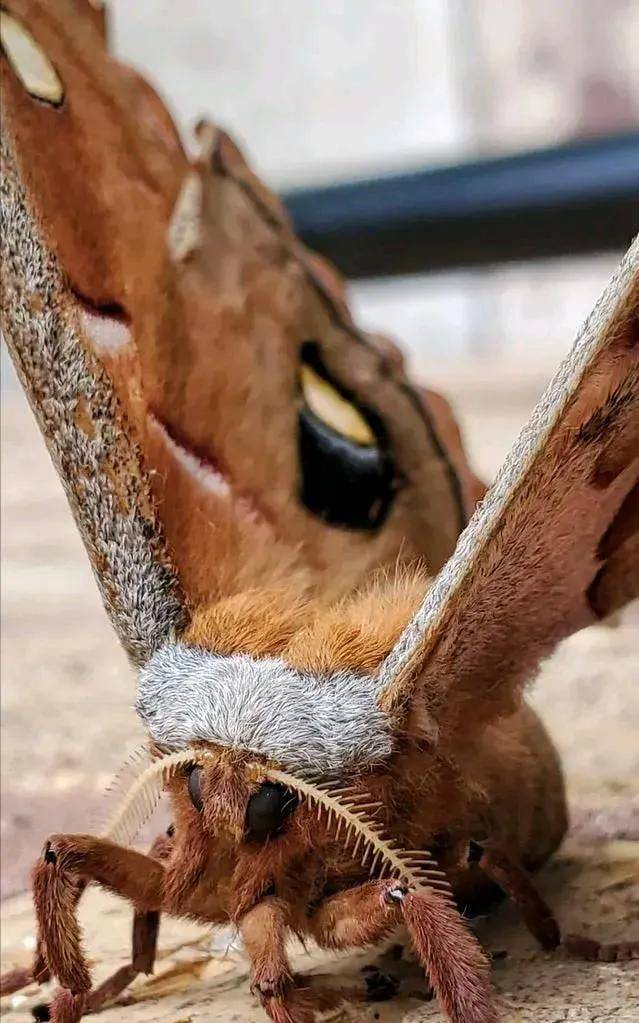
(146, 925)
(13, 980)
(358, 916)
(68, 862)
(517, 883)
(455, 966)
(144, 945)
(601, 952)
(144, 939)
(145, 930)
(538, 917)
(38, 972)
(263, 930)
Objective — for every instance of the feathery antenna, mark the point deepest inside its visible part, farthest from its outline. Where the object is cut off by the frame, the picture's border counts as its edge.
(140, 783)
(348, 811)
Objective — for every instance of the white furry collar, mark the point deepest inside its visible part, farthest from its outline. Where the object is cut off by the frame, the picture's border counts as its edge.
(302, 721)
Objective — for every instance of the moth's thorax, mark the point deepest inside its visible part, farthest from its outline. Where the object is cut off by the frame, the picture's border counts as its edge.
(323, 723)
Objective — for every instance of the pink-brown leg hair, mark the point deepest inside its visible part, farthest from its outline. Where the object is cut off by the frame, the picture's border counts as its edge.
(356, 917)
(450, 955)
(38, 972)
(146, 926)
(263, 930)
(359, 916)
(69, 862)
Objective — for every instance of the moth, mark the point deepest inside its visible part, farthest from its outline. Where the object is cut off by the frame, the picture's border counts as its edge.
(331, 676)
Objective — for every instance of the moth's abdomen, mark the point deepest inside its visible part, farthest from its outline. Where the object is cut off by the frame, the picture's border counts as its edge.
(524, 783)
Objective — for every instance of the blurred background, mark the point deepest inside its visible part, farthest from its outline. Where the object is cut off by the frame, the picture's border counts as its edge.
(322, 96)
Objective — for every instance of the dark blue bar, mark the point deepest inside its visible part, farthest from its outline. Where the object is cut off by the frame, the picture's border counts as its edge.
(583, 196)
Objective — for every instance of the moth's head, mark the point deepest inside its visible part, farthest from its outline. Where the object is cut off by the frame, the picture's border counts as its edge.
(260, 828)
(294, 687)
(226, 796)
(251, 752)
(245, 714)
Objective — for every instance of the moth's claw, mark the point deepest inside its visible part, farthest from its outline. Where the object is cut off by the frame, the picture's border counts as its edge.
(49, 854)
(269, 985)
(68, 1007)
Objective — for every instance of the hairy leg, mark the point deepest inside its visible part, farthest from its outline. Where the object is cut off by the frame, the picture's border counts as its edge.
(538, 917)
(358, 916)
(449, 954)
(517, 883)
(38, 972)
(601, 952)
(263, 930)
(144, 944)
(146, 926)
(144, 940)
(143, 948)
(125, 872)
(67, 864)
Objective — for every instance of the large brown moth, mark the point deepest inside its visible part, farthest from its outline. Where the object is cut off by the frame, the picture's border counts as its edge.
(345, 745)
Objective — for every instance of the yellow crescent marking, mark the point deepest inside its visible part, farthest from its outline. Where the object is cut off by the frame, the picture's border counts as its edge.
(28, 60)
(334, 410)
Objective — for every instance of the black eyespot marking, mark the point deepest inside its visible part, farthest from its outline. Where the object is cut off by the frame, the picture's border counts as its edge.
(267, 811)
(343, 484)
(195, 777)
(348, 475)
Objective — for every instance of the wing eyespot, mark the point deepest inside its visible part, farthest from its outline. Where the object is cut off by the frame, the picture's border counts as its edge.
(335, 411)
(348, 477)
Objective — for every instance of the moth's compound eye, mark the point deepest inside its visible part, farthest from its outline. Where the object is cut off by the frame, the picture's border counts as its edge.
(267, 811)
(346, 467)
(194, 782)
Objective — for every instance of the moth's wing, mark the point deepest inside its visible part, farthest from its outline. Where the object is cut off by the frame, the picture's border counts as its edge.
(86, 429)
(241, 413)
(553, 546)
